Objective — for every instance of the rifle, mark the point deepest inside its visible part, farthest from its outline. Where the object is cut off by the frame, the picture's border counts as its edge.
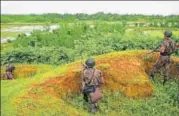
(177, 49)
(156, 49)
(83, 67)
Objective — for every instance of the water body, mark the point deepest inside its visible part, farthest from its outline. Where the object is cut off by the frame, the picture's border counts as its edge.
(27, 30)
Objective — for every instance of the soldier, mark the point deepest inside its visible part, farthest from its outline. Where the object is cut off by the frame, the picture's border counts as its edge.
(166, 49)
(91, 81)
(9, 72)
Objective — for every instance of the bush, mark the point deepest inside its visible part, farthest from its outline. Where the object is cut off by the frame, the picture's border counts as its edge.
(46, 55)
(73, 41)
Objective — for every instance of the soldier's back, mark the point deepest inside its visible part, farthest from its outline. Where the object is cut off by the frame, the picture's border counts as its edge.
(93, 75)
(169, 45)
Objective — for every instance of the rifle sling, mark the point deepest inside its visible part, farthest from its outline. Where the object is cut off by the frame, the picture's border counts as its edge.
(92, 76)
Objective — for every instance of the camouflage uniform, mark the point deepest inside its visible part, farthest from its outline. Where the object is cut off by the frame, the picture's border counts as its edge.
(166, 49)
(91, 76)
(9, 71)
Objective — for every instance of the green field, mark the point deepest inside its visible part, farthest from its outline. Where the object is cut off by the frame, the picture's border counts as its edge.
(47, 55)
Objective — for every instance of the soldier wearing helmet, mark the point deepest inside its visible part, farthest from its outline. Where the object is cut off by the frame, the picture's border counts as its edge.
(9, 72)
(91, 78)
(166, 49)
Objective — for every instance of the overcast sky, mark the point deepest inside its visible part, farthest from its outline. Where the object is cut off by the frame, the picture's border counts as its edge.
(90, 7)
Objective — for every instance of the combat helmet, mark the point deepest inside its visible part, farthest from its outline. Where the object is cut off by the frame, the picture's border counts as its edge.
(167, 33)
(90, 62)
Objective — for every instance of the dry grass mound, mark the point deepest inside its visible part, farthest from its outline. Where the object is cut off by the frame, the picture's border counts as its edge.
(26, 70)
(124, 71)
(22, 70)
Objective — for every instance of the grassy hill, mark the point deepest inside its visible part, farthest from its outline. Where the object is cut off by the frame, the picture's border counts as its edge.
(47, 90)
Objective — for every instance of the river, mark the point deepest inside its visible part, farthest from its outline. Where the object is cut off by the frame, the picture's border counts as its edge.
(25, 29)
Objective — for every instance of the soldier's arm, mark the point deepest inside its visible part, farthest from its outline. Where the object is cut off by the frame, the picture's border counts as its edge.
(103, 82)
(83, 79)
(162, 49)
(83, 85)
(177, 46)
(157, 49)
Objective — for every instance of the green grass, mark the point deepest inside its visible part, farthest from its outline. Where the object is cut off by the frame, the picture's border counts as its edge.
(10, 90)
(10, 34)
(17, 101)
(160, 104)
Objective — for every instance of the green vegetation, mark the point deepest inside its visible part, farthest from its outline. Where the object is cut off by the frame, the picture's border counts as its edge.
(81, 36)
(162, 103)
(10, 89)
(21, 97)
(55, 18)
(75, 40)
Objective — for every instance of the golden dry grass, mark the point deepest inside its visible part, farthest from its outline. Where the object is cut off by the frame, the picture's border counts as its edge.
(124, 71)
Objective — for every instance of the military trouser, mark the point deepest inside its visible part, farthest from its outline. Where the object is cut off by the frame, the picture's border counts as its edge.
(93, 104)
(162, 63)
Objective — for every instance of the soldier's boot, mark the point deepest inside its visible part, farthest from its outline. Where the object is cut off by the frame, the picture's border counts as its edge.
(85, 97)
(92, 108)
(165, 80)
(97, 107)
(151, 76)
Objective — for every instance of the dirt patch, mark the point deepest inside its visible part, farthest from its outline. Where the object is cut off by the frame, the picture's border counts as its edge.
(25, 71)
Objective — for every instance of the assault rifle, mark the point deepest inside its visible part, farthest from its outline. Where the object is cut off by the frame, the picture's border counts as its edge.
(156, 49)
